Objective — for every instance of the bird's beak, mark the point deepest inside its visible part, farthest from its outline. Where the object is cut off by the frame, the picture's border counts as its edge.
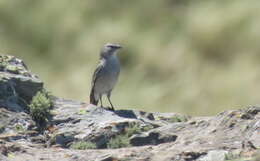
(118, 47)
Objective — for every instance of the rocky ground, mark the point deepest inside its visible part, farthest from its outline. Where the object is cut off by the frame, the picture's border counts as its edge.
(36, 127)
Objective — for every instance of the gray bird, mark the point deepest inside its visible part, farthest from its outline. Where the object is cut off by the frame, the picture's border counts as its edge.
(105, 75)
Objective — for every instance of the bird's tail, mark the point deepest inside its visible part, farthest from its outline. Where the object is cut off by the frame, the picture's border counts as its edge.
(92, 97)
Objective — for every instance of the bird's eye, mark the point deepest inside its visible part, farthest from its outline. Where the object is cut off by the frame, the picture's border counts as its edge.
(112, 47)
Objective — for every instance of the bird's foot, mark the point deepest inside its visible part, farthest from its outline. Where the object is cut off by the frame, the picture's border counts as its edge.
(101, 108)
(111, 108)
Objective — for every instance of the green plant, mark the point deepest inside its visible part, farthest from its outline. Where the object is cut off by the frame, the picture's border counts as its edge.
(147, 128)
(125, 159)
(230, 156)
(40, 107)
(19, 128)
(122, 140)
(236, 157)
(177, 118)
(133, 129)
(82, 112)
(119, 141)
(3, 61)
(82, 145)
(10, 155)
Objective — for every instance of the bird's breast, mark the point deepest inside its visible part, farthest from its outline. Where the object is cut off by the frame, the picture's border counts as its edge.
(108, 76)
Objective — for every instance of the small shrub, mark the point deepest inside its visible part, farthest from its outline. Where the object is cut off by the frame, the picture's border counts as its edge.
(40, 107)
(133, 129)
(82, 145)
(119, 141)
(230, 156)
(122, 140)
(237, 157)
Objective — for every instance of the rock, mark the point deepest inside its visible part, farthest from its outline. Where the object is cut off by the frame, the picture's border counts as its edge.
(116, 135)
(17, 87)
(152, 138)
(214, 155)
(17, 84)
(106, 158)
(13, 122)
(76, 121)
(201, 139)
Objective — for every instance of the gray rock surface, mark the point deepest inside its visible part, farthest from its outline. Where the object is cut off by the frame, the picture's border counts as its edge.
(17, 84)
(122, 135)
(17, 87)
(75, 121)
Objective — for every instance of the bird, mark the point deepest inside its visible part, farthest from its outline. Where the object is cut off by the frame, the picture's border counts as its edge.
(106, 74)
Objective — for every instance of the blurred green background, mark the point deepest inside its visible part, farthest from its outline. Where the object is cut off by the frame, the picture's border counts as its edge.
(194, 57)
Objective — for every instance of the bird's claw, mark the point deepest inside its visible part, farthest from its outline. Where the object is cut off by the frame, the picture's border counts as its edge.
(111, 109)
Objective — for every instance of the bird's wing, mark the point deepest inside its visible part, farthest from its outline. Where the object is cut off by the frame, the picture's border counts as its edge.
(96, 73)
(94, 79)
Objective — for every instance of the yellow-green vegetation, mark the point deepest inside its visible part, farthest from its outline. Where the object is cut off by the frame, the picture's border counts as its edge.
(195, 57)
(82, 112)
(19, 128)
(10, 155)
(122, 140)
(40, 107)
(242, 159)
(3, 61)
(237, 157)
(178, 118)
(147, 128)
(82, 145)
(2, 64)
(119, 141)
(231, 157)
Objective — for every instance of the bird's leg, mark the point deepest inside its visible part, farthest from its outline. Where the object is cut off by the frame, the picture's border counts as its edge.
(108, 97)
(100, 98)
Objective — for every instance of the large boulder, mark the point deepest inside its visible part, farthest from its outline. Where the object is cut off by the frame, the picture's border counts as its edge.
(17, 84)
(17, 88)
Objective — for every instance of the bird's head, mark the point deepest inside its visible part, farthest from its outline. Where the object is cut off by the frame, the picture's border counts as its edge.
(110, 49)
